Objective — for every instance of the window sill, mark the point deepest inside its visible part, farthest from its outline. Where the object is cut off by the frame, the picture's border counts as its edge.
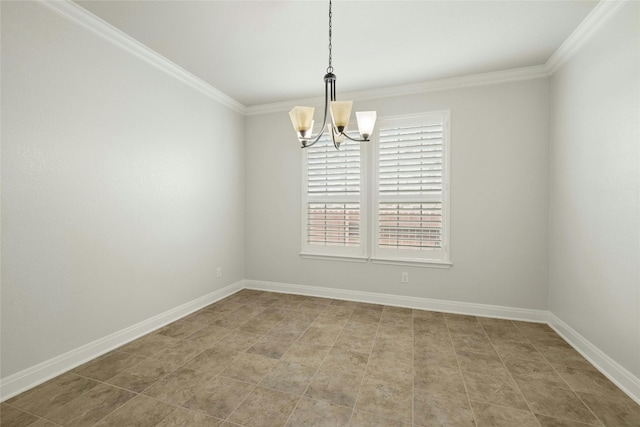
(413, 262)
(363, 259)
(360, 259)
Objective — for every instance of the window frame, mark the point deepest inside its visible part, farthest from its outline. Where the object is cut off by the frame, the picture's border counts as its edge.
(336, 252)
(395, 256)
(369, 199)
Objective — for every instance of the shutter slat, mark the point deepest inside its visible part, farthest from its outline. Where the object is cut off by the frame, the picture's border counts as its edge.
(410, 164)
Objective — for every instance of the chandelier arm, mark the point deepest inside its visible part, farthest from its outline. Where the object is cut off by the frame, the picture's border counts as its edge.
(353, 139)
(308, 142)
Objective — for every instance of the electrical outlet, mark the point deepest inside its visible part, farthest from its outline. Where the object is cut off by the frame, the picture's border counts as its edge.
(219, 272)
(405, 277)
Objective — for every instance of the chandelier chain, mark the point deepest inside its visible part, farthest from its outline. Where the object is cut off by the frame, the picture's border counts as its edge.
(330, 67)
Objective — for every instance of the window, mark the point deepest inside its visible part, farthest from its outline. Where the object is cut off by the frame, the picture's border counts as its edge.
(408, 200)
(410, 197)
(334, 221)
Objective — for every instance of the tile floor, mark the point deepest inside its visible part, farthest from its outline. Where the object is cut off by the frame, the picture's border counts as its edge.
(266, 359)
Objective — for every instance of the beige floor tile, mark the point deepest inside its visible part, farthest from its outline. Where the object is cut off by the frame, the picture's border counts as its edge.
(13, 417)
(182, 417)
(588, 381)
(477, 342)
(390, 370)
(178, 386)
(531, 373)
(181, 329)
(504, 334)
(481, 363)
(613, 411)
(557, 402)
(338, 388)
(432, 409)
(149, 345)
(250, 368)
(389, 311)
(563, 355)
(237, 340)
(141, 411)
(359, 343)
(91, 406)
(387, 400)
(51, 395)
(428, 315)
(367, 419)
(258, 326)
(231, 320)
(366, 315)
(202, 317)
(212, 360)
(208, 336)
(289, 377)
(492, 321)
(316, 413)
(395, 331)
(422, 358)
(264, 407)
(180, 352)
(346, 362)
(356, 327)
(368, 364)
(495, 390)
(142, 375)
(308, 354)
(109, 366)
(532, 329)
(518, 350)
(439, 380)
(271, 347)
(43, 423)
(487, 415)
(317, 334)
(399, 348)
(219, 397)
(557, 422)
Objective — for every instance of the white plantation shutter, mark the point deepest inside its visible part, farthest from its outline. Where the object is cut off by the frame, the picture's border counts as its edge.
(332, 199)
(411, 189)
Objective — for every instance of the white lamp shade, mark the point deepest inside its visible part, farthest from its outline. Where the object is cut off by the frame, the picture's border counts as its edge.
(366, 122)
(340, 113)
(302, 118)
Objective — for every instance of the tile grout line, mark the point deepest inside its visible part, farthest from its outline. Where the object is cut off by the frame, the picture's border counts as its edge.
(509, 372)
(558, 374)
(464, 383)
(364, 374)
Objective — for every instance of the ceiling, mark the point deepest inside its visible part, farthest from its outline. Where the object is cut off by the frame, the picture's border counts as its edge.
(260, 52)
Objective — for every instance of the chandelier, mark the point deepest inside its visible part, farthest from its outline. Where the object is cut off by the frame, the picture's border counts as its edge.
(302, 117)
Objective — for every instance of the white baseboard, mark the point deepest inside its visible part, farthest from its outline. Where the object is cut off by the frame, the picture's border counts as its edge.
(30, 377)
(624, 379)
(486, 310)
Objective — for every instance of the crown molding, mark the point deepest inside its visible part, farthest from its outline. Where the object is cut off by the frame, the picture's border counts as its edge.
(82, 17)
(495, 77)
(600, 14)
(591, 24)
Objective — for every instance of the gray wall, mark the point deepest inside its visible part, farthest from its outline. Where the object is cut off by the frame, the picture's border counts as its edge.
(121, 189)
(594, 208)
(499, 194)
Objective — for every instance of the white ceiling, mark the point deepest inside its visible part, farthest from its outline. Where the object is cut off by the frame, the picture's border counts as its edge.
(260, 52)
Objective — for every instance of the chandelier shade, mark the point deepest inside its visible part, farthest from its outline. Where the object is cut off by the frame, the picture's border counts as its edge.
(339, 112)
(302, 118)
